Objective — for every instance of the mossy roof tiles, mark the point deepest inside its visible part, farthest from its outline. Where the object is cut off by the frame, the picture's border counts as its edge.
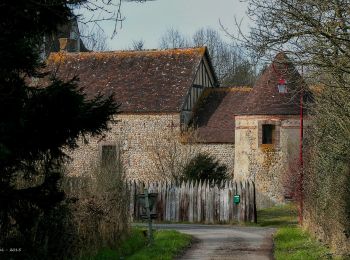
(142, 81)
(214, 115)
(265, 99)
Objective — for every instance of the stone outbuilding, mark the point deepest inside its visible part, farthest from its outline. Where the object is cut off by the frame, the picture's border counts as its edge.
(158, 91)
(172, 107)
(267, 131)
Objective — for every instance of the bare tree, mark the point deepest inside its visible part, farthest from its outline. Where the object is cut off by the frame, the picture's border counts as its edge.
(170, 157)
(94, 39)
(220, 52)
(90, 14)
(316, 35)
(138, 45)
(94, 12)
(231, 67)
(173, 39)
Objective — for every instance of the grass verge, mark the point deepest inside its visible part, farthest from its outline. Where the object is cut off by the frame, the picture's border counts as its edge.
(290, 241)
(132, 244)
(278, 216)
(167, 244)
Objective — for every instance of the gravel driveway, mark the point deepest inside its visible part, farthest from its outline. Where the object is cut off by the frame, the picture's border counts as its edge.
(226, 242)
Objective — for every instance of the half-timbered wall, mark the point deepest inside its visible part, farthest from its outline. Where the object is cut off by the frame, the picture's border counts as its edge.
(204, 79)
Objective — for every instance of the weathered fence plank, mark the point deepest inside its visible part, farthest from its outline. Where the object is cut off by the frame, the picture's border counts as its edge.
(201, 201)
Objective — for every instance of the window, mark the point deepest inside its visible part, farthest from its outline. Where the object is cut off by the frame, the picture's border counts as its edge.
(268, 131)
(282, 86)
(108, 155)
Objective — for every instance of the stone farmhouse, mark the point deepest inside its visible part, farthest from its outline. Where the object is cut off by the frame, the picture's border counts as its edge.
(172, 107)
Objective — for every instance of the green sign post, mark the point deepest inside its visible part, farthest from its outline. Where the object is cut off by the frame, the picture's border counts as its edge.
(148, 202)
(236, 199)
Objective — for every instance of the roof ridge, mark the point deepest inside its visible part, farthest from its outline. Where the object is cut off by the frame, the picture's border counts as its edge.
(237, 86)
(230, 89)
(200, 49)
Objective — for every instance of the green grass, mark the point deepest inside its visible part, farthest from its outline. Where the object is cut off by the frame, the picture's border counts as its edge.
(167, 244)
(133, 243)
(290, 241)
(278, 216)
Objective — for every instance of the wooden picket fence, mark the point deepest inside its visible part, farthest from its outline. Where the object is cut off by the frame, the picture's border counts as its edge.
(201, 202)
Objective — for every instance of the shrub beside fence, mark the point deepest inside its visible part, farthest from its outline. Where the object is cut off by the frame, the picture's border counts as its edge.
(100, 212)
(202, 202)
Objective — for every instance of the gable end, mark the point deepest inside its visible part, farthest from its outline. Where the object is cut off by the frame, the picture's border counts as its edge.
(204, 78)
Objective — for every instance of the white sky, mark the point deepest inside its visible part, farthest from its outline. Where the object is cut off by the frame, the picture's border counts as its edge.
(150, 20)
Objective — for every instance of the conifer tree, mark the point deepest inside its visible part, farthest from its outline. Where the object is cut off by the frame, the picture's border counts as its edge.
(37, 125)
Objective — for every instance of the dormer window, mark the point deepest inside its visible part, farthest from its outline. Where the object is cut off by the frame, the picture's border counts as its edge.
(282, 86)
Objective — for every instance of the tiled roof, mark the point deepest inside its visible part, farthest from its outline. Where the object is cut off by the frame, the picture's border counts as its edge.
(265, 99)
(142, 81)
(214, 115)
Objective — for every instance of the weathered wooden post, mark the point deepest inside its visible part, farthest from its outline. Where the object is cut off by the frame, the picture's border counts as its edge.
(237, 200)
(254, 204)
(148, 212)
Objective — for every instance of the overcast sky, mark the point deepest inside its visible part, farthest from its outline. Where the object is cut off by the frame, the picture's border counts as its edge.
(150, 20)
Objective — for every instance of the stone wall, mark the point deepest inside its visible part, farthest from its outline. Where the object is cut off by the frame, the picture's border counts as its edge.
(272, 167)
(224, 152)
(150, 147)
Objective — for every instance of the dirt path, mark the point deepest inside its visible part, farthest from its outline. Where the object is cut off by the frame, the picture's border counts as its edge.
(226, 242)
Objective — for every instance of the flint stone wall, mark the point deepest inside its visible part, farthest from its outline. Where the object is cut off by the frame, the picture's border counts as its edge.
(141, 138)
(269, 166)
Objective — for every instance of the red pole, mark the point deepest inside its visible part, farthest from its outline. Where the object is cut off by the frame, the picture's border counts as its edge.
(301, 177)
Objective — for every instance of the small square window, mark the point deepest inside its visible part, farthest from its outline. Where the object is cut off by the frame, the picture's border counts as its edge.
(282, 89)
(282, 86)
(268, 132)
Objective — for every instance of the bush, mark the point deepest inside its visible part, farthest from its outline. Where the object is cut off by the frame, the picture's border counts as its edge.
(205, 167)
(101, 213)
(327, 171)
